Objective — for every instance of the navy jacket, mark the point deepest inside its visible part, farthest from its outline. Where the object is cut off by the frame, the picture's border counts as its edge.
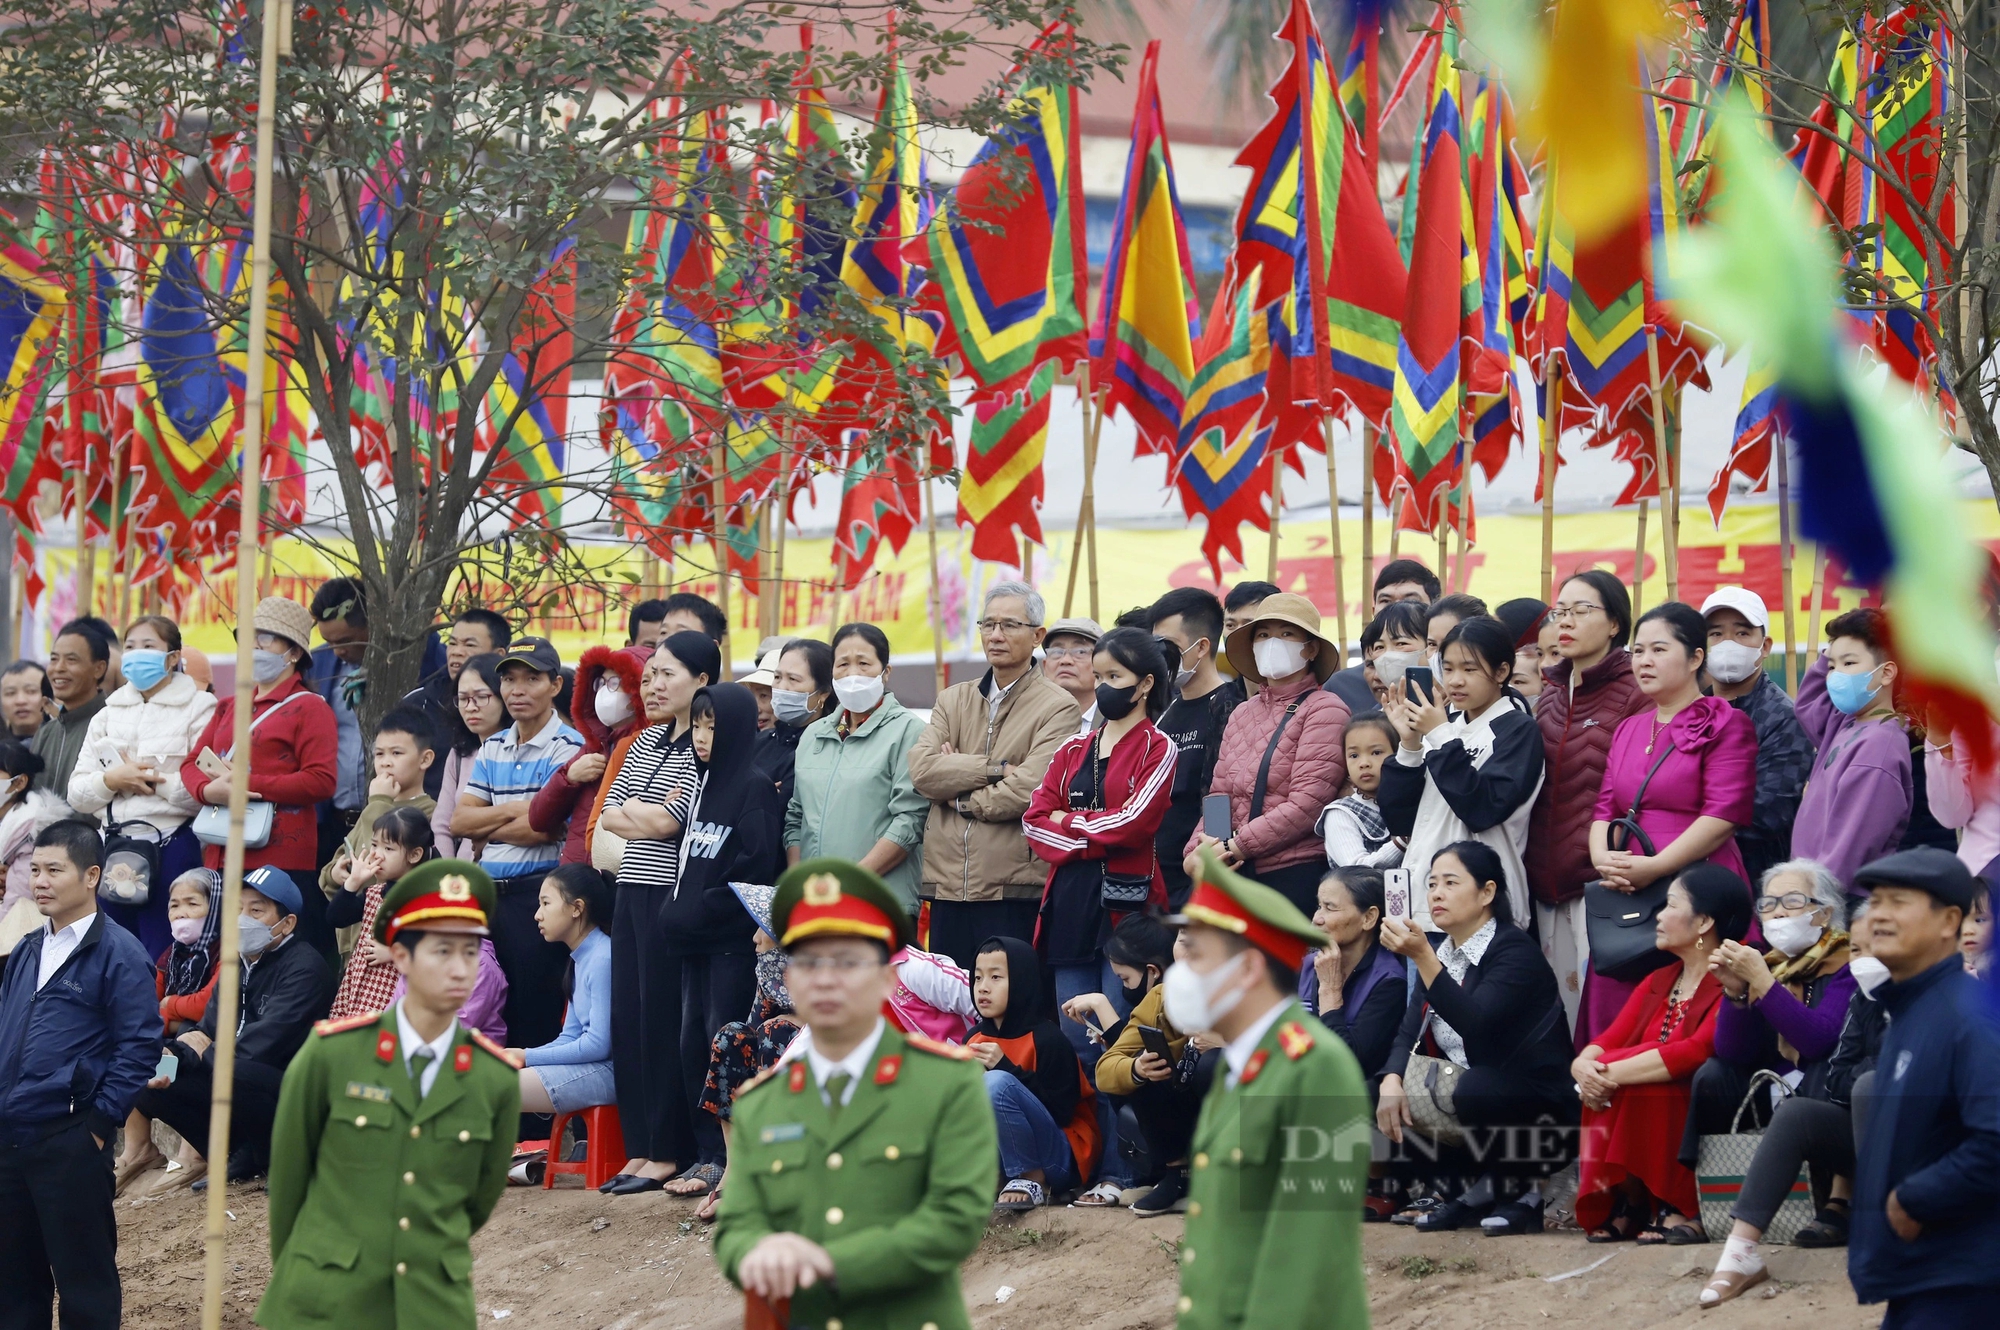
(320, 678)
(87, 1043)
(1933, 1138)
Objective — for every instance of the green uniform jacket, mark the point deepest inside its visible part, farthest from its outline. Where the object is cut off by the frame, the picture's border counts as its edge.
(374, 1196)
(1273, 1236)
(898, 1186)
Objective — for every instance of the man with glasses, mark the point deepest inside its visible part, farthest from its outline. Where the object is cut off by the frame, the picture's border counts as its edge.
(1066, 656)
(978, 762)
(862, 1164)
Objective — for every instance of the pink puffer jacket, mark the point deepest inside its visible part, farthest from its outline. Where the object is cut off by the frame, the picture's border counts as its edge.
(1307, 770)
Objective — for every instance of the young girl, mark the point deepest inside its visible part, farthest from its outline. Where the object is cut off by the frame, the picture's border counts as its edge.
(403, 839)
(18, 766)
(742, 1050)
(1470, 759)
(1975, 937)
(184, 976)
(1356, 835)
(1045, 1107)
(573, 1071)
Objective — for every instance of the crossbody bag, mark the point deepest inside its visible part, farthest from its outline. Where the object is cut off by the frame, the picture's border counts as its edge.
(211, 824)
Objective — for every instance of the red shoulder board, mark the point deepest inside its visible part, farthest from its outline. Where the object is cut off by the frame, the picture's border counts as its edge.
(924, 1043)
(797, 1081)
(385, 1046)
(1253, 1066)
(888, 1069)
(461, 1059)
(345, 1023)
(1295, 1040)
(465, 1055)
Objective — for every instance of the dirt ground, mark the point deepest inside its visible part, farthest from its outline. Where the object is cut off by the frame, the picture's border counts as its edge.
(574, 1259)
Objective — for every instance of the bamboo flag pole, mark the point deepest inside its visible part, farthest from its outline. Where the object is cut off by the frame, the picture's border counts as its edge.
(1669, 541)
(1551, 433)
(1444, 544)
(1460, 576)
(1818, 593)
(86, 555)
(276, 41)
(1780, 448)
(1333, 529)
(1277, 508)
(1639, 564)
(1395, 524)
(1086, 510)
(718, 488)
(778, 548)
(1367, 519)
(937, 588)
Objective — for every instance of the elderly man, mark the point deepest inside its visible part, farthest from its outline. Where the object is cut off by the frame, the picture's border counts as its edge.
(978, 762)
(1066, 655)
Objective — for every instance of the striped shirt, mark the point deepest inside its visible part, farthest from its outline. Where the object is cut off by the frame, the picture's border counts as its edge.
(508, 769)
(657, 766)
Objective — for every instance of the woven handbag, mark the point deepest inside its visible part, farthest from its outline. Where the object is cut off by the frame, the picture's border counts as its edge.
(1428, 1086)
(1725, 1161)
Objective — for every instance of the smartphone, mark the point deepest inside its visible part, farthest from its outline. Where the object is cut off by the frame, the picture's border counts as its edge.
(210, 765)
(1396, 893)
(170, 1067)
(1215, 816)
(1155, 1040)
(1418, 678)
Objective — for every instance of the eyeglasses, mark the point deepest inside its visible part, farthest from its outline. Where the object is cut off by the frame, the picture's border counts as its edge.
(1791, 900)
(1009, 626)
(1067, 653)
(839, 965)
(474, 699)
(1582, 609)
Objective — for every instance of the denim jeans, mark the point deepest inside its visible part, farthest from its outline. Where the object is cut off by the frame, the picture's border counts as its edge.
(1072, 980)
(1029, 1137)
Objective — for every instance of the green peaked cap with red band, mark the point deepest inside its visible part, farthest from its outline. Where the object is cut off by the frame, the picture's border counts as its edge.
(1260, 915)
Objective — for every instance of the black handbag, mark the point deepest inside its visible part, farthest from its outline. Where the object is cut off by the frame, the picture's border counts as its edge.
(1121, 892)
(131, 863)
(1620, 923)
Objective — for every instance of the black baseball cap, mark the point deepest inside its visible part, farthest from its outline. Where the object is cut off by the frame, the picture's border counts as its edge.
(535, 652)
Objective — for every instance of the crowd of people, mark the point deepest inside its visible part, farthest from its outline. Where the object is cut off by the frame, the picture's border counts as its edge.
(1573, 870)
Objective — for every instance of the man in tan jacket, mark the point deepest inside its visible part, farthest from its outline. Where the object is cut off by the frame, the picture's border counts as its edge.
(978, 762)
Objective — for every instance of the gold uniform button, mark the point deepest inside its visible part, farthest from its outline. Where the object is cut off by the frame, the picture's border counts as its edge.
(402, 1269)
(404, 1222)
(1201, 1161)
(416, 1132)
(1194, 1209)
(835, 1215)
(361, 1120)
(930, 1325)
(1236, 1156)
(892, 1153)
(1185, 1305)
(834, 1160)
(465, 1136)
(833, 1323)
(409, 1179)
(1187, 1256)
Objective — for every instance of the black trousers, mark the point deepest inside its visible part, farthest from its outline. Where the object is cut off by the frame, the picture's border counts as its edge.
(1802, 1131)
(646, 1032)
(533, 965)
(715, 990)
(58, 1233)
(1167, 1111)
(958, 927)
(1297, 883)
(1714, 1095)
(184, 1104)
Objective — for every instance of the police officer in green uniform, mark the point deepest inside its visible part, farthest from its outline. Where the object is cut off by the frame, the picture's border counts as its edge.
(862, 1166)
(1280, 1153)
(394, 1132)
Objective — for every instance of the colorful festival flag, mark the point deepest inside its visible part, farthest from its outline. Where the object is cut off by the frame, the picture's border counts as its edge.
(1000, 492)
(1223, 464)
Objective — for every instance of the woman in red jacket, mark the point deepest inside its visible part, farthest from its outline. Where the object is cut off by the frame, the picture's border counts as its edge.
(1634, 1079)
(1093, 818)
(293, 742)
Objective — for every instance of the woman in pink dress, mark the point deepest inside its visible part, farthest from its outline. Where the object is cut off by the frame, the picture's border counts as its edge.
(1705, 785)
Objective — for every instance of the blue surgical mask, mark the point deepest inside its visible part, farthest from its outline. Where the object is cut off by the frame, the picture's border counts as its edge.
(144, 668)
(1850, 693)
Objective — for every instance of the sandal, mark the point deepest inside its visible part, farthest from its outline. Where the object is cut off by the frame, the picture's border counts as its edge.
(1104, 1196)
(1828, 1228)
(1687, 1233)
(697, 1181)
(1609, 1231)
(1728, 1284)
(1028, 1187)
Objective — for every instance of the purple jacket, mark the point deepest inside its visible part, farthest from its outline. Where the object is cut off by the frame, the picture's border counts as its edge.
(1857, 802)
(1812, 1027)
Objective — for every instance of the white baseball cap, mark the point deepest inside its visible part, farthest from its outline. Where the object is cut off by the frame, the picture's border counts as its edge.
(1741, 599)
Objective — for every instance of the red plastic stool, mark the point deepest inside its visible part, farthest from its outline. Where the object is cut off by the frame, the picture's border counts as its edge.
(604, 1153)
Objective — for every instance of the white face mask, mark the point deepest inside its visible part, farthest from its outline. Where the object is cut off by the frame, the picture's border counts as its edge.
(614, 708)
(1190, 997)
(858, 692)
(1279, 657)
(1732, 662)
(1390, 665)
(1792, 934)
(1869, 974)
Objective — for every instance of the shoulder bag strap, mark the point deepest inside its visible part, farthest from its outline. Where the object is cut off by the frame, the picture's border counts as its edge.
(1630, 822)
(1633, 811)
(255, 721)
(1270, 751)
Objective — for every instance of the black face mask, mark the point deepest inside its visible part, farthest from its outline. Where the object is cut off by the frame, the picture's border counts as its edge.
(1133, 995)
(1115, 703)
